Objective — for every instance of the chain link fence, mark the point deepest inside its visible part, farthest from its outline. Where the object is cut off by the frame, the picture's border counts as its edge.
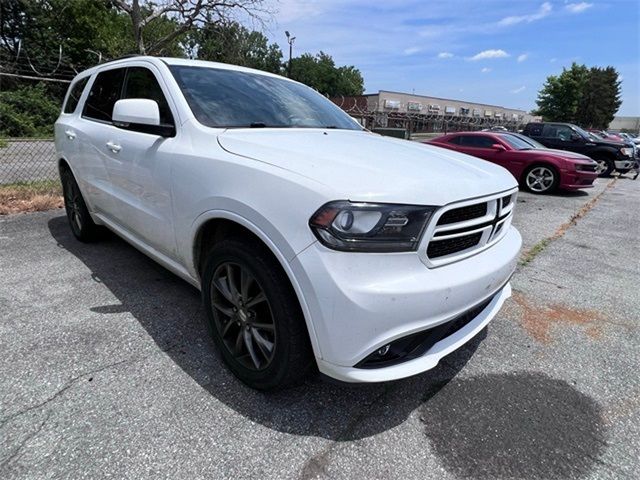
(27, 160)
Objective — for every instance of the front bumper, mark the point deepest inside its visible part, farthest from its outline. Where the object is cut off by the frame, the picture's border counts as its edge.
(624, 164)
(574, 179)
(359, 302)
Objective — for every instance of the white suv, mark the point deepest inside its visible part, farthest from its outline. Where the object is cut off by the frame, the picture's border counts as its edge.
(313, 241)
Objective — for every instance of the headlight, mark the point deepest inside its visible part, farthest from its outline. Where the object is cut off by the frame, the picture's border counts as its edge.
(370, 227)
(627, 151)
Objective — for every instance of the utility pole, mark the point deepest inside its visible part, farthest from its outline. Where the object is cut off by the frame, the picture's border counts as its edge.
(290, 41)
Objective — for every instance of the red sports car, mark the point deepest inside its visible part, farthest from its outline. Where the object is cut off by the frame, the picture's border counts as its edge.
(538, 169)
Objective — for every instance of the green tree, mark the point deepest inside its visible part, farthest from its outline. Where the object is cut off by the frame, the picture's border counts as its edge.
(321, 73)
(587, 96)
(185, 15)
(600, 98)
(235, 44)
(560, 96)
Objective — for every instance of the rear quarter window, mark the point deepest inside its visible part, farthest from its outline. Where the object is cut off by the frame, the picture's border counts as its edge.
(75, 92)
(534, 130)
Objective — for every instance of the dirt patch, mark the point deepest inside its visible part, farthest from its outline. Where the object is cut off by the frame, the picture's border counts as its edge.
(30, 197)
(538, 320)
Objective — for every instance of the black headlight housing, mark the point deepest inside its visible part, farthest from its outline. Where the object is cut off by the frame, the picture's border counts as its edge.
(370, 227)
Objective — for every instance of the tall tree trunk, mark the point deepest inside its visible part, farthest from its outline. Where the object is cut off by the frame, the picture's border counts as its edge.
(136, 19)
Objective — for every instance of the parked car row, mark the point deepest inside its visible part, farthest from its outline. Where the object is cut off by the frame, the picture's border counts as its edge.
(547, 155)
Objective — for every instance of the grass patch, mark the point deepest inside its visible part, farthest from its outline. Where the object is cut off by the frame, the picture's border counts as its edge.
(528, 255)
(30, 196)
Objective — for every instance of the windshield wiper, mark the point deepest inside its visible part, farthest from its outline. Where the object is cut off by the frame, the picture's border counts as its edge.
(258, 125)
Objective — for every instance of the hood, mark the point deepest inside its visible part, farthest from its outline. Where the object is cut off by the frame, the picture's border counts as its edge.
(566, 154)
(362, 166)
(605, 142)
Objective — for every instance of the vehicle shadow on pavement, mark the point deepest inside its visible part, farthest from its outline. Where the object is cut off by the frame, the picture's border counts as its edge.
(170, 311)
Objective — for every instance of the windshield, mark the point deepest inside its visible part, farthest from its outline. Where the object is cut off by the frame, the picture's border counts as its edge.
(582, 132)
(519, 143)
(232, 99)
(594, 136)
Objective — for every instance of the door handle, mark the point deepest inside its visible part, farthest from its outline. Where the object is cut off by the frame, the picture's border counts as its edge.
(70, 134)
(114, 147)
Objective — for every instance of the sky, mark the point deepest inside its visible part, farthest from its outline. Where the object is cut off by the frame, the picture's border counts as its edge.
(491, 51)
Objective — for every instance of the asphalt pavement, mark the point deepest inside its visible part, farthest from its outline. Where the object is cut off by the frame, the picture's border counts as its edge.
(106, 370)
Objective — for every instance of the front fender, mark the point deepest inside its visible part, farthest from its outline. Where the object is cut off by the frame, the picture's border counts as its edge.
(263, 229)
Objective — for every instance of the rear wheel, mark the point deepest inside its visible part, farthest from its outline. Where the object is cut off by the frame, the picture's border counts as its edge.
(80, 221)
(254, 316)
(605, 167)
(541, 179)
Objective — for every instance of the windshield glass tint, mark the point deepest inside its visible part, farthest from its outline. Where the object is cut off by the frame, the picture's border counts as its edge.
(227, 99)
(529, 140)
(516, 142)
(583, 133)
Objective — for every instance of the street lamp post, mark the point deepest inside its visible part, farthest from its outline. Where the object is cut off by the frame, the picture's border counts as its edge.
(290, 41)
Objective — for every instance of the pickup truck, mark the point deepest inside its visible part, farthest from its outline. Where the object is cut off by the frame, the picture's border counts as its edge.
(610, 155)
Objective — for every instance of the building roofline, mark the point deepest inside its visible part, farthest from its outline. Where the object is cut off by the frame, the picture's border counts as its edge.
(447, 100)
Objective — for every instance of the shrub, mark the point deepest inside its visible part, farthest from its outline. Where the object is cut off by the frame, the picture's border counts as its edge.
(27, 112)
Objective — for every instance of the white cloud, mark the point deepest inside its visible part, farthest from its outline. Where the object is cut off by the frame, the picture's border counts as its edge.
(445, 55)
(485, 70)
(519, 89)
(523, 57)
(489, 54)
(543, 11)
(578, 7)
(411, 50)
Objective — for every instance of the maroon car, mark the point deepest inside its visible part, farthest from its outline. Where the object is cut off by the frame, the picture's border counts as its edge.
(537, 169)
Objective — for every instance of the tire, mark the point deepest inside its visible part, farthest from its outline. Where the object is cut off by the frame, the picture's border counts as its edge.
(254, 316)
(80, 221)
(540, 179)
(605, 167)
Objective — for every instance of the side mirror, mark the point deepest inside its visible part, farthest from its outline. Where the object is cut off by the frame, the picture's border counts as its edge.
(136, 110)
(140, 115)
(498, 147)
(575, 137)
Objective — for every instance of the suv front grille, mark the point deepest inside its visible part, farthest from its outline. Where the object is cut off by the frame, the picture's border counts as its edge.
(453, 245)
(460, 231)
(463, 213)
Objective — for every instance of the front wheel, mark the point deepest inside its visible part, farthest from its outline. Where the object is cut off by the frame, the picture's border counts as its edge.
(541, 179)
(604, 167)
(254, 316)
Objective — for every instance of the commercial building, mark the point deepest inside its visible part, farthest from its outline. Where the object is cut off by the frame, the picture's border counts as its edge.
(419, 113)
(628, 124)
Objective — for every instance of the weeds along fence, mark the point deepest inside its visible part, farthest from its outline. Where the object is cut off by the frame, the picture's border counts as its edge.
(27, 160)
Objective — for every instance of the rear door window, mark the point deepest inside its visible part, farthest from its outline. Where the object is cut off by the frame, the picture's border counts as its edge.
(75, 92)
(142, 83)
(105, 92)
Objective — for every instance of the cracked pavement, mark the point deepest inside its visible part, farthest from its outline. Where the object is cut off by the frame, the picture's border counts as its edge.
(106, 370)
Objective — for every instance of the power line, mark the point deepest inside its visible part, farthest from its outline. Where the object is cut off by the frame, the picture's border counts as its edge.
(30, 77)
